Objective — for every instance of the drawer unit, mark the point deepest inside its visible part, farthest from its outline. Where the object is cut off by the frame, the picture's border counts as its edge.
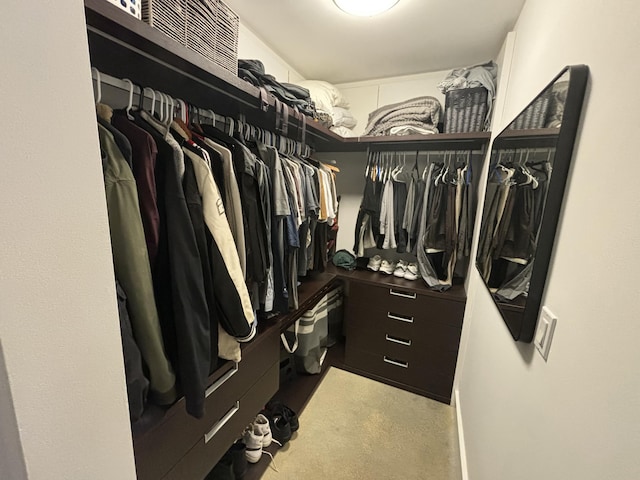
(406, 336)
(403, 370)
(159, 449)
(437, 345)
(229, 425)
(377, 301)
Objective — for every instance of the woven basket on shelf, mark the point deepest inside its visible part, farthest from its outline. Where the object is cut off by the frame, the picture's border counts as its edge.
(534, 116)
(208, 27)
(465, 110)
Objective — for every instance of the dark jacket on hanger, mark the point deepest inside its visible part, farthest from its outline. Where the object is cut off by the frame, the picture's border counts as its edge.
(204, 241)
(137, 383)
(187, 314)
(131, 264)
(143, 159)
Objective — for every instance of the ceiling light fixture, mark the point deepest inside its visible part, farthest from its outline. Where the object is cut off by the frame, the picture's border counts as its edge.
(365, 8)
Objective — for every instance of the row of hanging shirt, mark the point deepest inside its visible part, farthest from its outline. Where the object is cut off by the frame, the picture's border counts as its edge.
(428, 213)
(207, 227)
(514, 202)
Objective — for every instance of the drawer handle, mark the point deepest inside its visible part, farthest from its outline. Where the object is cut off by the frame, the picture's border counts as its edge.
(223, 421)
(389, 338)
(397, 363)
(401, 318)
(221, 381)
(412, 296)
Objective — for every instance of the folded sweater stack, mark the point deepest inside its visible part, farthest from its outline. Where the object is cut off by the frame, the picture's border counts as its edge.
(418, 115)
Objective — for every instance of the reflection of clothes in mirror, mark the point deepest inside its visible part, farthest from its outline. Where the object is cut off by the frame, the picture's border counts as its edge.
(511, 221)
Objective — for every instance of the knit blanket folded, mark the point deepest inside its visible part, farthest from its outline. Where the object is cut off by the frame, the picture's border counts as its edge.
(423, 112)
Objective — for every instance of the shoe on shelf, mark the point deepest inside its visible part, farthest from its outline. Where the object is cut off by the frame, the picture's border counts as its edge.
(223, 470)
(278, 408)
(374, 263)
(252, 438)
(387, 266)
(237, 451)
(280, 429)
(261, 424)
(400, 269)
(412, 272)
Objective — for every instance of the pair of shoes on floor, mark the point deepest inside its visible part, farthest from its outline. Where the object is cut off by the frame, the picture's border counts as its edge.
(280, 416)
(282, 420)
(257, 436)
(233, 464)
(406, 270)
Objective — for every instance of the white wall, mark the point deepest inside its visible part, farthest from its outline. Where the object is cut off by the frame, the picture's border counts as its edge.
(577, 415)
(364, 97)
(250, 46)
(59, 325)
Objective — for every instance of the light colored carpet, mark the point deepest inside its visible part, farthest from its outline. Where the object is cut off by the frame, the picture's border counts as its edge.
(357, 428)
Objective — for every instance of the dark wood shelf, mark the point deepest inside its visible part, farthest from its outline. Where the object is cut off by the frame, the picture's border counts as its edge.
(125, 47)
(532, 138)
(436, 141)
(310, 291)
(455, 293)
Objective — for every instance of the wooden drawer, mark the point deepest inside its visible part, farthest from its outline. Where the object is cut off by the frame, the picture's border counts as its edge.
(435, 347)
(367, 303)
(159, 449)
(229, 426)
(402, 369)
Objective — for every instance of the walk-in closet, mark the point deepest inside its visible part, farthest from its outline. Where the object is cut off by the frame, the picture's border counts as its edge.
(318, 240)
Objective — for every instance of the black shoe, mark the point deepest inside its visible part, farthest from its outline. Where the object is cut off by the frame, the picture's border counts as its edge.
(280, 429)
(279, 408)
(223, 469)
(237, 453)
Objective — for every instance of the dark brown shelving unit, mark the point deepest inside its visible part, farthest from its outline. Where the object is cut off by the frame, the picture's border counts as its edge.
(125, 47)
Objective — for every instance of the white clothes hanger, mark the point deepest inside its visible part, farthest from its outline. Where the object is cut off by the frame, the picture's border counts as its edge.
(153, 99)
(161, 106)
(128, 110)
(170, 112)
(98, 84)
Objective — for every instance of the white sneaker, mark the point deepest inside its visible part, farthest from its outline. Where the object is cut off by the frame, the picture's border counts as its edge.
(400, 269)
(412, 273)
(261, 425)
(253, 440)
(387, 267)
(374, 263)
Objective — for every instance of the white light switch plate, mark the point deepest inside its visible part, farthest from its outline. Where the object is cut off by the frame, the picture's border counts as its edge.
(544, 332)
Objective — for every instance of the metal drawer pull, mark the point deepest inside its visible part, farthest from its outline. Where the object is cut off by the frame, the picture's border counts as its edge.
(398, 340)
(412, 296)
(223, 421)
(397, 363)
(221, 381)
(401, 318)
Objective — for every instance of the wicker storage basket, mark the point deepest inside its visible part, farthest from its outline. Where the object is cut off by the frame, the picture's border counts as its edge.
(208, 27)
(465, 110)
(534, 116)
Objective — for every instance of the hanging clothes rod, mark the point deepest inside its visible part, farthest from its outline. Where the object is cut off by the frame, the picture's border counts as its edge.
(100, 79)
(284, 144)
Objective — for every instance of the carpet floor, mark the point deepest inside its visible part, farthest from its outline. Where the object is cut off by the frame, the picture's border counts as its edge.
(357, 428)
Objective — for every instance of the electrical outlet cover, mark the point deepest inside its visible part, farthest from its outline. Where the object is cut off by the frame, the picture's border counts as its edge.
(544, 332)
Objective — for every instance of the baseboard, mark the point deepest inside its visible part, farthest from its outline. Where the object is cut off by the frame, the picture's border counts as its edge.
(463, 449)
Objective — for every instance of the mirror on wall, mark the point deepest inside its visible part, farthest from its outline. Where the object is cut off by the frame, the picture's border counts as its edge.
(527, 174)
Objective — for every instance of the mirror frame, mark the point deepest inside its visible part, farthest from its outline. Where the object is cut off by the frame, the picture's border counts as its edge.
(522, 320)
